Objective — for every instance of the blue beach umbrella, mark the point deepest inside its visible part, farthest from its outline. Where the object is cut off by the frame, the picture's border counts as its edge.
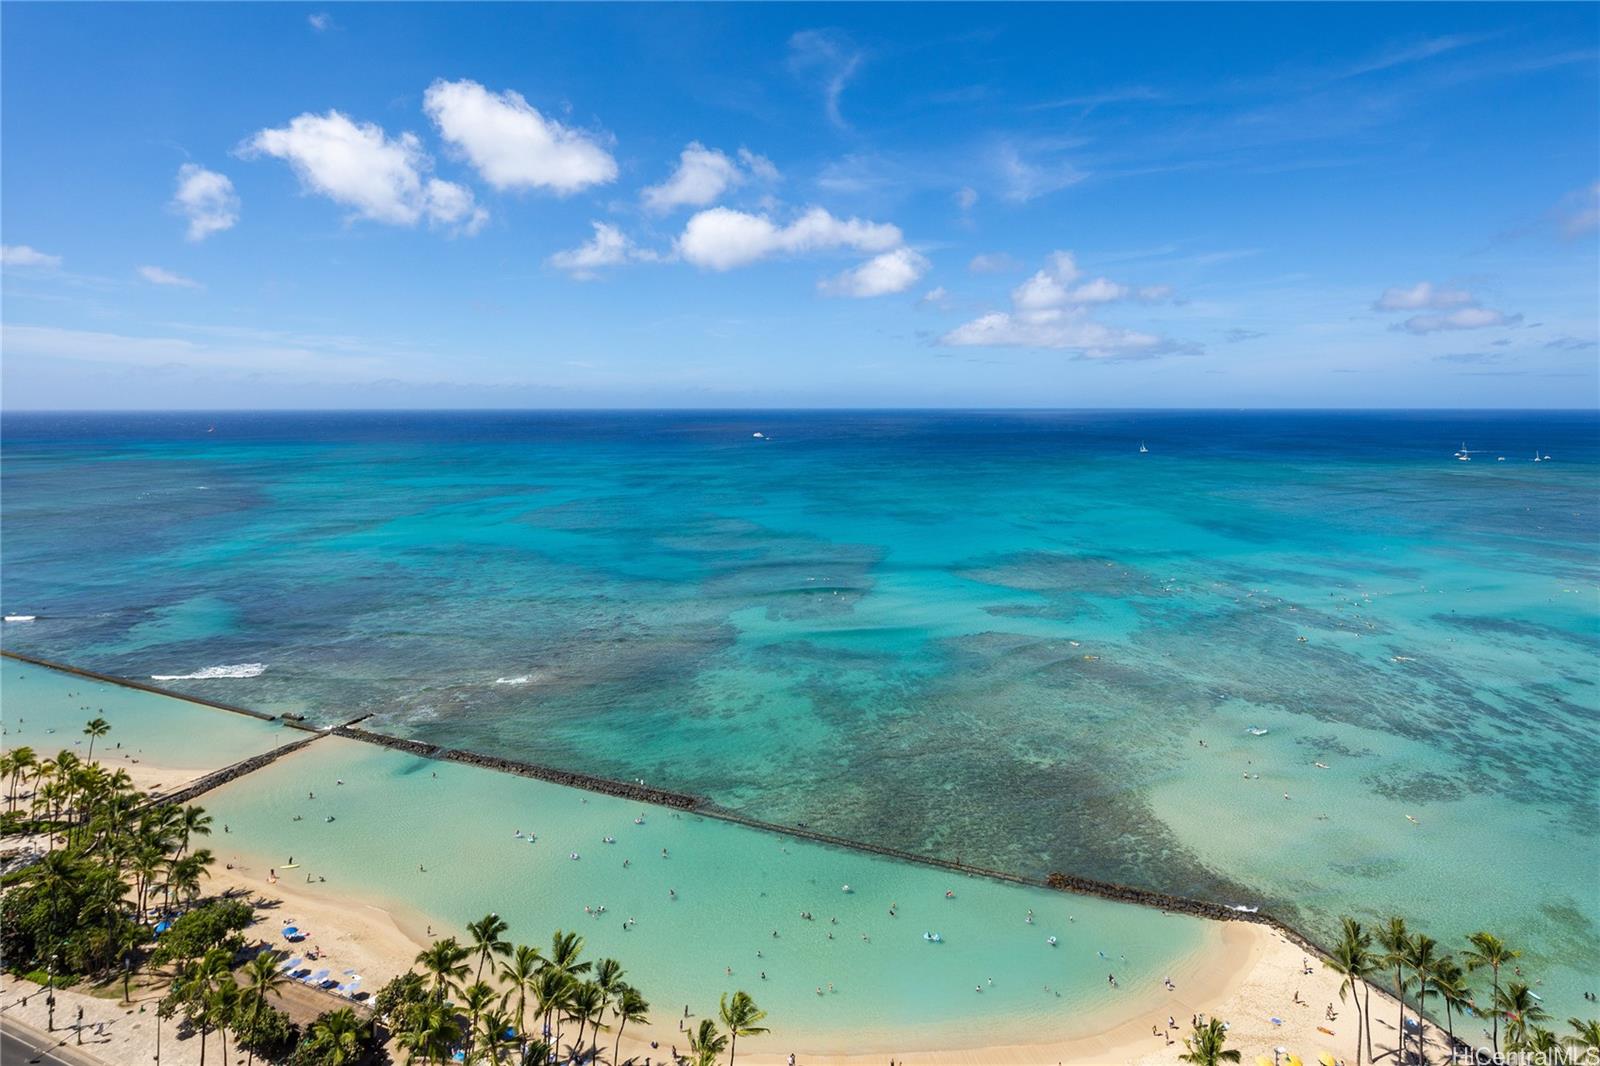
(162, 927)
(290, 931)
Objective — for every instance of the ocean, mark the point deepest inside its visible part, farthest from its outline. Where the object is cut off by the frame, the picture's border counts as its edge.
(1308, 661)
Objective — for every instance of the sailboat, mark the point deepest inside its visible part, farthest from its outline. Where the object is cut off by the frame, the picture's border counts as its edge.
(1142, 449)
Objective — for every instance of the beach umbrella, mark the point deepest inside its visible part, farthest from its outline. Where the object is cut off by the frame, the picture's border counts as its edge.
(1327, 1059)
(162, 927)
(1294, 1060)
(290, 931)
(1262, 1060)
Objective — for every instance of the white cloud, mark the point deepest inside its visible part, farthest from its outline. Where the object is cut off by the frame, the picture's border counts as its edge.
(1422, 294)
(721, 238)
(831, 58)
(1049, 311)
(360, 166)
(702, 176)
(1465, 318)
(891, 272)
(1053, 329)
(1580, 212)
(206, 198)
(20, 255)
(320, 21)
(966, 197)
(1023, 179)
(511, 144)
(157, 276)
(608, 247)
(938, 297)
(993, 263)
(759, 165)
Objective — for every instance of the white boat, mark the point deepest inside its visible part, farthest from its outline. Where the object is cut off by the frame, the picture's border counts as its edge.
(758, 436)
(1253, 731)
(933, 938)
(20, 617)
(1142, 449)
(1051, 941)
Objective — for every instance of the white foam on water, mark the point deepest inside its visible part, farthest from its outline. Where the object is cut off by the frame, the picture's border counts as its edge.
(212, 672)
(521, 679)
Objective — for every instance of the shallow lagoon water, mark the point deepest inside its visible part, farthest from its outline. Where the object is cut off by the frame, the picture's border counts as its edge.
(734, 886)
(995, 635)
(47, 709)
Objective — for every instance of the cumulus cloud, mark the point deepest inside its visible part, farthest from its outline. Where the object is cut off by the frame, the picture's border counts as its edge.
(206, 198)
(938, 297)
(511, 144)
(157, 276)
(320, 21)
(721, 238)
(703, 175)
(360, 166)
(966, 197)
(608, 247)
(21, 255)
(1421, 295)
(1053, 310)
(891, 272)
(1465, 318)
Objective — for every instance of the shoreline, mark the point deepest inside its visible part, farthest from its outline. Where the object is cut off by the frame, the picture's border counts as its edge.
(637, 791)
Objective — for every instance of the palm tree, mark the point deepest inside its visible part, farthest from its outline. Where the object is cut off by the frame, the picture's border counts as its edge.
(1585, 1038)
(740, 1015)
(521, 971)
(1396, 941)
(706, 1043)
(1421, 958)
(631, 1007)
(552, 989)
(491, 1038)
(444, 961)
(262, 976)
(19, 763)
(192, 821)
(1517, 1005)
(1451, 981)
(476, 998)
(337, 1037)
(1489, 950)
(429, 1029)
(486, 935)
(1206, 1045)
(608, 979)
(97, 727)
(1545, 1046)
(586, 1004)
(1352, 961)
(563, 959)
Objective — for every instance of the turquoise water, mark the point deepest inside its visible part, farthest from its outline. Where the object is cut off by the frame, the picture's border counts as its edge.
(712, 903)
(1001, 636)
(46, 710)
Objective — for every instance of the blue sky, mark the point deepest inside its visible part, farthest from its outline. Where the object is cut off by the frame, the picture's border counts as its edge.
(467, 206)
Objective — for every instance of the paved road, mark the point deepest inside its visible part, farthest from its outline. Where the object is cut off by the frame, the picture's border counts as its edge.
(22, 1045)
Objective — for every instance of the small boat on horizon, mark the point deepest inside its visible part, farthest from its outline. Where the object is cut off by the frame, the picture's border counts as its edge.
(1142, 449)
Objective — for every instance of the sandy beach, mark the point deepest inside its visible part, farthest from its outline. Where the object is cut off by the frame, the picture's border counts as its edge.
(1248, 976)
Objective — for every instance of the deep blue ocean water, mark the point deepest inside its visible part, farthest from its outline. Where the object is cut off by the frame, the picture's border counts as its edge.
(997, 635)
